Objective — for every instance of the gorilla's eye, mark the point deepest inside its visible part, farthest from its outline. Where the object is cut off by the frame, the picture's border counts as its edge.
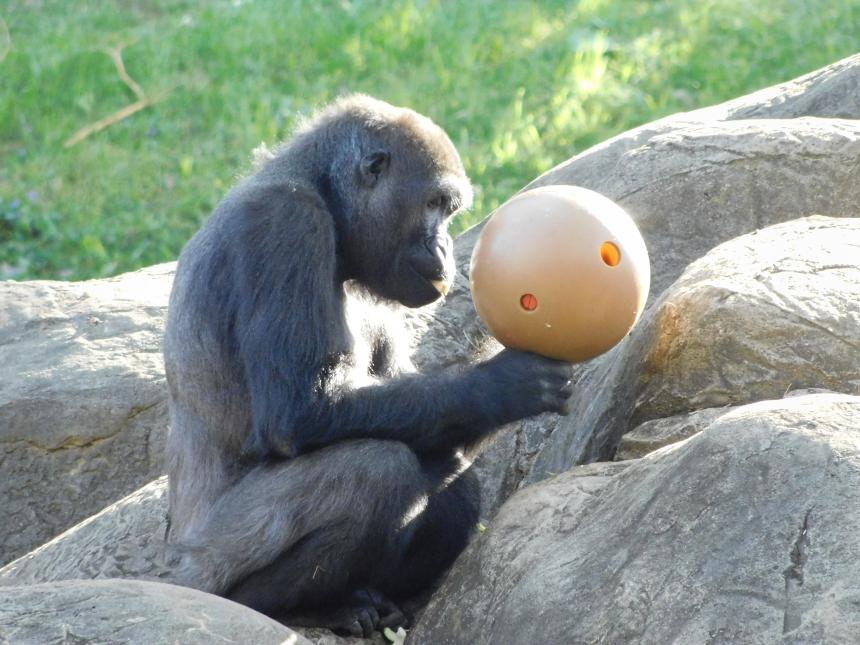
(443, 203)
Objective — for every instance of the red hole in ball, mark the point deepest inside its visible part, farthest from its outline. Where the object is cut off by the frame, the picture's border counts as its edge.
(528, 302)
(610, 254)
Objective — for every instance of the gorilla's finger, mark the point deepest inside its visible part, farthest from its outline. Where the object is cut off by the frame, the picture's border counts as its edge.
(363, 625)
(394, 619)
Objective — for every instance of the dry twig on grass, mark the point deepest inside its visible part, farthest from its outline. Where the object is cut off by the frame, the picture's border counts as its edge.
(142, 102)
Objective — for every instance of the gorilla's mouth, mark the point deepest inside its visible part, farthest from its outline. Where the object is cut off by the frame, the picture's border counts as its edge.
(419, 289)
(442, 286)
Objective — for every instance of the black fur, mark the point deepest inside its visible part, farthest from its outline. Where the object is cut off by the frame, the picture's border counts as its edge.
(308, 467)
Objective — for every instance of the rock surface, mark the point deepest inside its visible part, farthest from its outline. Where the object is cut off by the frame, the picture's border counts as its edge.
(125, 540)
(131, 611)
(831, 92)
(746, 532)
(757, 316)
(82, 399)
(657, 433)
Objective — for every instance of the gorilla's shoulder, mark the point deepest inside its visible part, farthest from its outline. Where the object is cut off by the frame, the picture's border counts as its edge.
(257, 196)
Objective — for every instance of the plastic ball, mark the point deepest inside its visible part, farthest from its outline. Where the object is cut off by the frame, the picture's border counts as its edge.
(561, 271)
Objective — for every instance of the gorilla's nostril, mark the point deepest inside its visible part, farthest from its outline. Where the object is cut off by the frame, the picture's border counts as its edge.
(435, 262)
(434, 247)
(438, 247)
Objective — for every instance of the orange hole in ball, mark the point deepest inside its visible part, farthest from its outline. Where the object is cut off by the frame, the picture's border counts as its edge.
(610, 254)
(528, 302)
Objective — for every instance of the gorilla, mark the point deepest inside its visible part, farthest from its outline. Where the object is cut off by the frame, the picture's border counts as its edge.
(310, 468)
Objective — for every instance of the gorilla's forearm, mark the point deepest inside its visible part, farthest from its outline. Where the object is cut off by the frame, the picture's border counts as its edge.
(427, 412)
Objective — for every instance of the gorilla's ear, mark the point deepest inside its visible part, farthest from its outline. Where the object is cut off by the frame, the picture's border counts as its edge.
(372, 166)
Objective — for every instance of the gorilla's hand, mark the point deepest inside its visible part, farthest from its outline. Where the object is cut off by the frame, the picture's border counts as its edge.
(516, 385)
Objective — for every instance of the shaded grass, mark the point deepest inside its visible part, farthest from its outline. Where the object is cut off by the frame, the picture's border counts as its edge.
(519, 86)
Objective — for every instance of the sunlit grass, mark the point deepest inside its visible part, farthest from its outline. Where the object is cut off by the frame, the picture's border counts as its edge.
(519, 86)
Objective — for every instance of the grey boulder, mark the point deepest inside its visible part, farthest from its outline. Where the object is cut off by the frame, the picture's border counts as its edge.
(131, 611)
(124, 540)
(747, 532)
(82, 399)
(657, 433)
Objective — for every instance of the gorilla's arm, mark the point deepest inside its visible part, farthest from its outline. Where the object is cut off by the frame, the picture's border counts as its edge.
(435, 411)
(293, 338)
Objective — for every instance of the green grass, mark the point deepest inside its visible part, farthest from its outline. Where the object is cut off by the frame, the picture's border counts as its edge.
(519, 87)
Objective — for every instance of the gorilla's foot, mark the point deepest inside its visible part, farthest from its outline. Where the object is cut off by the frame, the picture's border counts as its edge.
(366, 611)
(363, 612)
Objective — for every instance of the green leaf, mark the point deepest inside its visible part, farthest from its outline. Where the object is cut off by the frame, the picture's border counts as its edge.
(186, 166)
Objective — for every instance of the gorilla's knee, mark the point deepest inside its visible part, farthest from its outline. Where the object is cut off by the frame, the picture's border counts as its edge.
(381, 465)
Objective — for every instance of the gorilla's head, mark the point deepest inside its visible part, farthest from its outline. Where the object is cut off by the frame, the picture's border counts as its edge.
(395, 182)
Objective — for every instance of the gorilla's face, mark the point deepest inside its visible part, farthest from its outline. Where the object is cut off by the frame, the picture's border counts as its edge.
(399, 246)
(423, 267)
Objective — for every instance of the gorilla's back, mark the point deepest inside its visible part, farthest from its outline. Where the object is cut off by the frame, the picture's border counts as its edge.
(207, 395)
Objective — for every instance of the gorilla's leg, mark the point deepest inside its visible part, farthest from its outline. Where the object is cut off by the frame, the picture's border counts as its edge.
(433, 539)
(311, 585)
(306, 531)
(311, 572)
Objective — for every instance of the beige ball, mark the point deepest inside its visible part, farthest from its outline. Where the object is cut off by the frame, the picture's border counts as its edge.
(561, 271)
